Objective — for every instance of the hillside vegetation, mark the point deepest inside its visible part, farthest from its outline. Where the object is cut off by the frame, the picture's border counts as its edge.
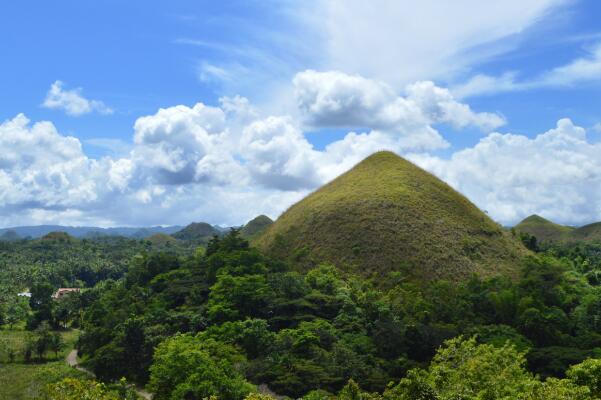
(543, 229)
(226, 321)
(387, 214)
(546, 231)
(255, 227)
(197, 232)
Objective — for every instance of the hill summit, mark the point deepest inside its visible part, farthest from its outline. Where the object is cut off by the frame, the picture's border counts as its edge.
(386, 214)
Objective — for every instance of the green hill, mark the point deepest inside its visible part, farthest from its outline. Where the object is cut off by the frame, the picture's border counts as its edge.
(60, 237)
(543, 229)
(255, 227)
(547, 231)
(387, 214)
(197, 232)
(162, 240)
(9, 236)
(587, 233)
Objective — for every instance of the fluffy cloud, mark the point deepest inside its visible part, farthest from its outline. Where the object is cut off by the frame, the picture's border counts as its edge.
(556, 174)
(39, 166)
(180, 145)
(338, 99)
(278, 155)
(228, 163)
(72, 101)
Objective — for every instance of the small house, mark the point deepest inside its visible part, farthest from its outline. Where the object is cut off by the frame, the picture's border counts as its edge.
(63, 291)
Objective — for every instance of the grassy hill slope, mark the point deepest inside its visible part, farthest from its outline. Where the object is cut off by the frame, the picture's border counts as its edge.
(387, 214)
(255, 227)
(547, 231)
(197, 232)
(543, 229)
(588, 233)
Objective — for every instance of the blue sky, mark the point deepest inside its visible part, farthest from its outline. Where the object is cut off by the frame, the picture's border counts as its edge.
(265, 100)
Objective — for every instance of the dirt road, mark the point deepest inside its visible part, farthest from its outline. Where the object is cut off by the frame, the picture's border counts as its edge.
(72, 361)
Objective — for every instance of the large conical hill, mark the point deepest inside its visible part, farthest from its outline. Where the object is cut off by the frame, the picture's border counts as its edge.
(386, 215)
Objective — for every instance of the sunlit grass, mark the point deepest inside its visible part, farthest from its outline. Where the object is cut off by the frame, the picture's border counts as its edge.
(24, 381)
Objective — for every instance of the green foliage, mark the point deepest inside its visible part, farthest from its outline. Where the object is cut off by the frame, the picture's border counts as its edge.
(75, 389)
(57, 261)
(462, 369)
(235, 297)
(255, 227)
(587, 373)
(258, 396)
(18, 346)
(299, 332)
(556, 389)
(478, 371)
(28, 381)
(80, 389)
(191, 367)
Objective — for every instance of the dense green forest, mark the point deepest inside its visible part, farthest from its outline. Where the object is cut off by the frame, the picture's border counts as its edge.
(230, 321)
(239, 319)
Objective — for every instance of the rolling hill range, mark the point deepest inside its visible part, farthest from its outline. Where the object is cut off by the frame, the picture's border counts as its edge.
(547, 231)
(387, 214)
(86, 231)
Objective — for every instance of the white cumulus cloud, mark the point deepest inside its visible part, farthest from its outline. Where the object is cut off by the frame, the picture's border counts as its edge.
(556, 174)
(229, 162)
(72, 101)
(336, 99)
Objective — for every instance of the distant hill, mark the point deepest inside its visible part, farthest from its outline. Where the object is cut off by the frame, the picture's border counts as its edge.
(547, 231)
(589, 233)
(543, 229)
(197, 232)
(89, 231)
(255, 226)
(387, 214)
(9, 236)
(61, 237)
(162, 240)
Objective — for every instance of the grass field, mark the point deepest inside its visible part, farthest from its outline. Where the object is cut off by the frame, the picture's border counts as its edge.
(26, 381)
(16, 340)
(21, 381)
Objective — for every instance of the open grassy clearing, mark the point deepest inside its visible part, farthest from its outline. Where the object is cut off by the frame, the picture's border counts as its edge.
(26, 381)
(15, 340)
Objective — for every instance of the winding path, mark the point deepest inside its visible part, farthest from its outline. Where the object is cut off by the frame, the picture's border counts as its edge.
(72, 361)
